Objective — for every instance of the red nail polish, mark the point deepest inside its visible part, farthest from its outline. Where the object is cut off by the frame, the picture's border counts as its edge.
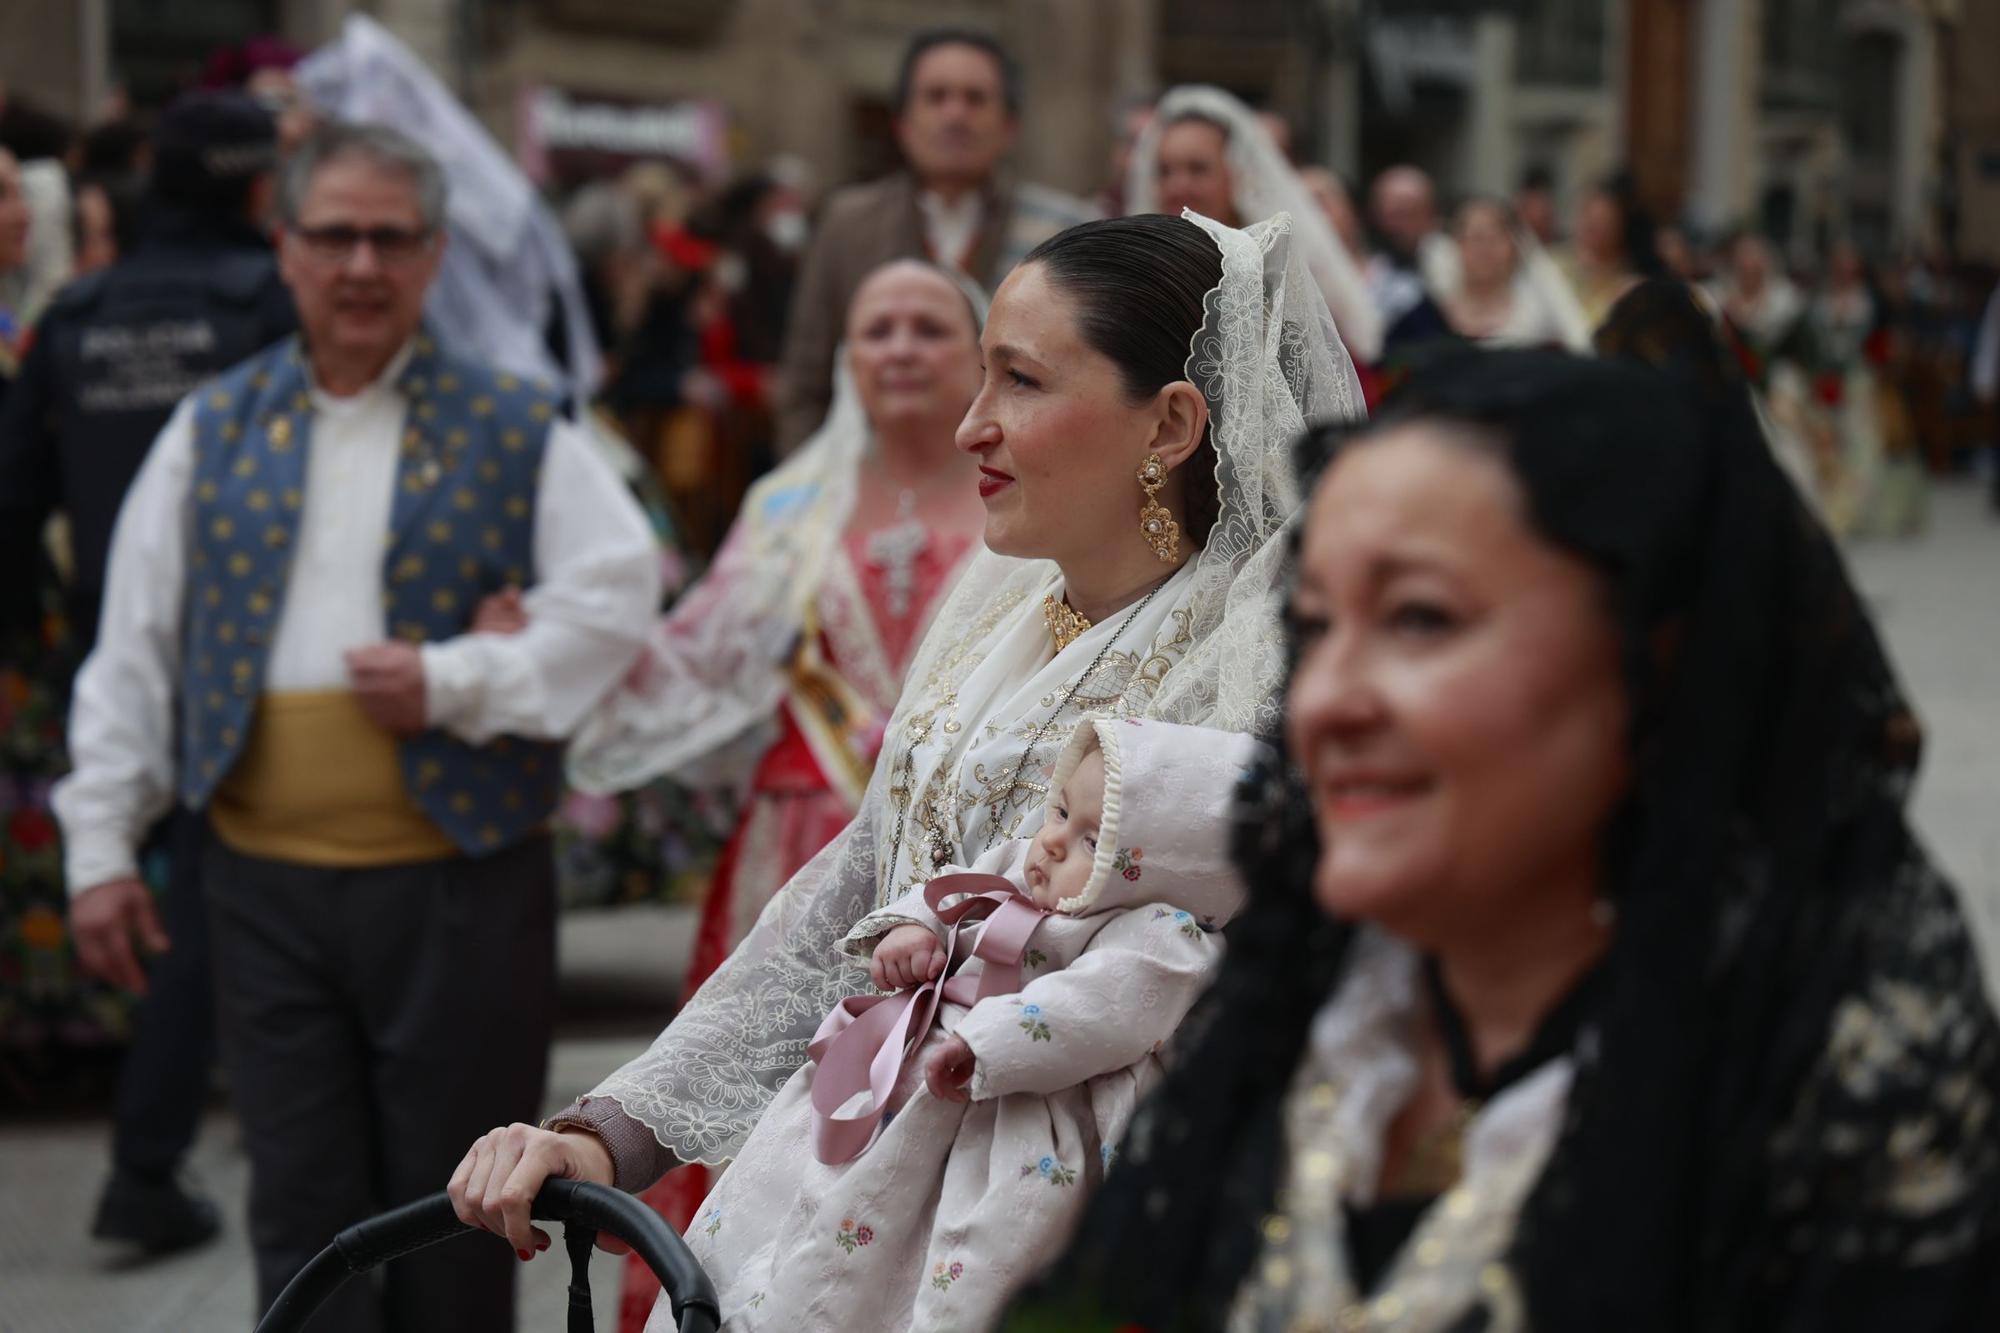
(525, 1256)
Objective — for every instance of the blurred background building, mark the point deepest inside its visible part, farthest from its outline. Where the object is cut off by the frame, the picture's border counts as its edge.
(1801, 117)
(1807, 118)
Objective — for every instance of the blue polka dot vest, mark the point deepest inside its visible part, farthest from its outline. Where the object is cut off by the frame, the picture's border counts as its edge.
(461, 526)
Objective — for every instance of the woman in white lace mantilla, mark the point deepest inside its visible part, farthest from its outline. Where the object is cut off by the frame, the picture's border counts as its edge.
(1144, 380)
(1503, 288)
(1205, 150)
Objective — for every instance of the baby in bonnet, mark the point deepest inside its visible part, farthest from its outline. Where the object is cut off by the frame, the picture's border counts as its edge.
(936, 1150)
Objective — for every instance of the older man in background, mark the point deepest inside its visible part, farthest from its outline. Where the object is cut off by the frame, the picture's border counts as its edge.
(287, 647)
(1404, 208)
(1415, 263)
(958, 106)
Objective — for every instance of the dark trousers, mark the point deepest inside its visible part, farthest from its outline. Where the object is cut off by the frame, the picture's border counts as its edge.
(163, 1083)
(375, 1022)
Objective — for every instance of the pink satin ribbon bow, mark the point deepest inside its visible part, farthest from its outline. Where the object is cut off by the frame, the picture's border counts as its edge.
(865, 1043)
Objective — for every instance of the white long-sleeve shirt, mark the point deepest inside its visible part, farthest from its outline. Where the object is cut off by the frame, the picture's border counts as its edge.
(951, 229)
(596, 591)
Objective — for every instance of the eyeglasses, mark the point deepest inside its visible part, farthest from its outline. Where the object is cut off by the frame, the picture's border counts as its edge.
(338, 242)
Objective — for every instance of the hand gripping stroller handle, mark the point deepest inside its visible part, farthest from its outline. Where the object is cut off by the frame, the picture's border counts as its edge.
(575, 1203)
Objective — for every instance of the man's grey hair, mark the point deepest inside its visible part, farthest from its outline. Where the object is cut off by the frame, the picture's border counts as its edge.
(387, 149)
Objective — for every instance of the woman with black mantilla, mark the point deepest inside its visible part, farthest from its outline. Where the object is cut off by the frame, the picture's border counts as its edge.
(1592, 978)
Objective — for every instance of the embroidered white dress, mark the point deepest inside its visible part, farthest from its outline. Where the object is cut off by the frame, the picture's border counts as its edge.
(955, 1205)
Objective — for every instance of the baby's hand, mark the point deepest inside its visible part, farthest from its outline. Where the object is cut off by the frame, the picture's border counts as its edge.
(949, 1070)
(907, 956)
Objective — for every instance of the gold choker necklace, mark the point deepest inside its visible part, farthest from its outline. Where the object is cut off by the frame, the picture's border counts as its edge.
(1065, 625)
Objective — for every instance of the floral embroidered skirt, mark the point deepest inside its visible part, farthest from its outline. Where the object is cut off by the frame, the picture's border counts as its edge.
(935, 1226)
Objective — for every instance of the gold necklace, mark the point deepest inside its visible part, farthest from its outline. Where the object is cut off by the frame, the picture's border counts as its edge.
(1041, 732)
(1065, 623)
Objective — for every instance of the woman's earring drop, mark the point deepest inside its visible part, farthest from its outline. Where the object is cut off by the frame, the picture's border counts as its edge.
(1156, 524)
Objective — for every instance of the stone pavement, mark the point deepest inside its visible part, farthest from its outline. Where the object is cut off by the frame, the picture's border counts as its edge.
(1938, 600)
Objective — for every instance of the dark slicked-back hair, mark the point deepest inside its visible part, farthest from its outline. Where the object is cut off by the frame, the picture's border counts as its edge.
(1139, 284)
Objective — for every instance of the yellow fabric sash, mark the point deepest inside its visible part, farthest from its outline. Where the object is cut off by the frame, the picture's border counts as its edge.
(833, 718)
(319, 783)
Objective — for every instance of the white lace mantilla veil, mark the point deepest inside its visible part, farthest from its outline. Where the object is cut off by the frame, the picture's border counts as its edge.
(1544, 302)
(700, 703)
(988, 705)
(1265, 185)
(1540, 274)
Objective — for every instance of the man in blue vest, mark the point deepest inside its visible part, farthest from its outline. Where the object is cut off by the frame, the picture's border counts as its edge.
(286, 647)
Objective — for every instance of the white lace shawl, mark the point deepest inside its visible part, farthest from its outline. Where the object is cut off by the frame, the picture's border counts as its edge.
(1263, 186)
(700, 701)
(1545, 306)
(988, 706)
(1770, 318)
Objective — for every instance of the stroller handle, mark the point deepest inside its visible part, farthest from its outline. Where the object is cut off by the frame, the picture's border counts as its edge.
(576, 1203)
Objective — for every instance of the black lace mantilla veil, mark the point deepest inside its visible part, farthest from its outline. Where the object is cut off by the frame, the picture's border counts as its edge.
(1784, 1114)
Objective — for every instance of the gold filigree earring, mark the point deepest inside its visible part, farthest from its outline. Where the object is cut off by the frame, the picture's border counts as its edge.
(1156, 523)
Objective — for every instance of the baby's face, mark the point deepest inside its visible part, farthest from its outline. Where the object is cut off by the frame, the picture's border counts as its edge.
(1059, 862)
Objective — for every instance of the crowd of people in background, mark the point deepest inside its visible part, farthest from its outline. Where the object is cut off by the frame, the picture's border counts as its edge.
(1866, 361)
(716, 300)
(717, 337)
(1865, 368)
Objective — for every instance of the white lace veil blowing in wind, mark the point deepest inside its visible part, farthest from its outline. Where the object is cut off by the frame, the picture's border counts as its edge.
(701, 703)
(702, 700)
(1268, 360)
(1263, 185)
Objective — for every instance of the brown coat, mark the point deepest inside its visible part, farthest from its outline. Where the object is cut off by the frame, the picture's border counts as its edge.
(862, 228)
